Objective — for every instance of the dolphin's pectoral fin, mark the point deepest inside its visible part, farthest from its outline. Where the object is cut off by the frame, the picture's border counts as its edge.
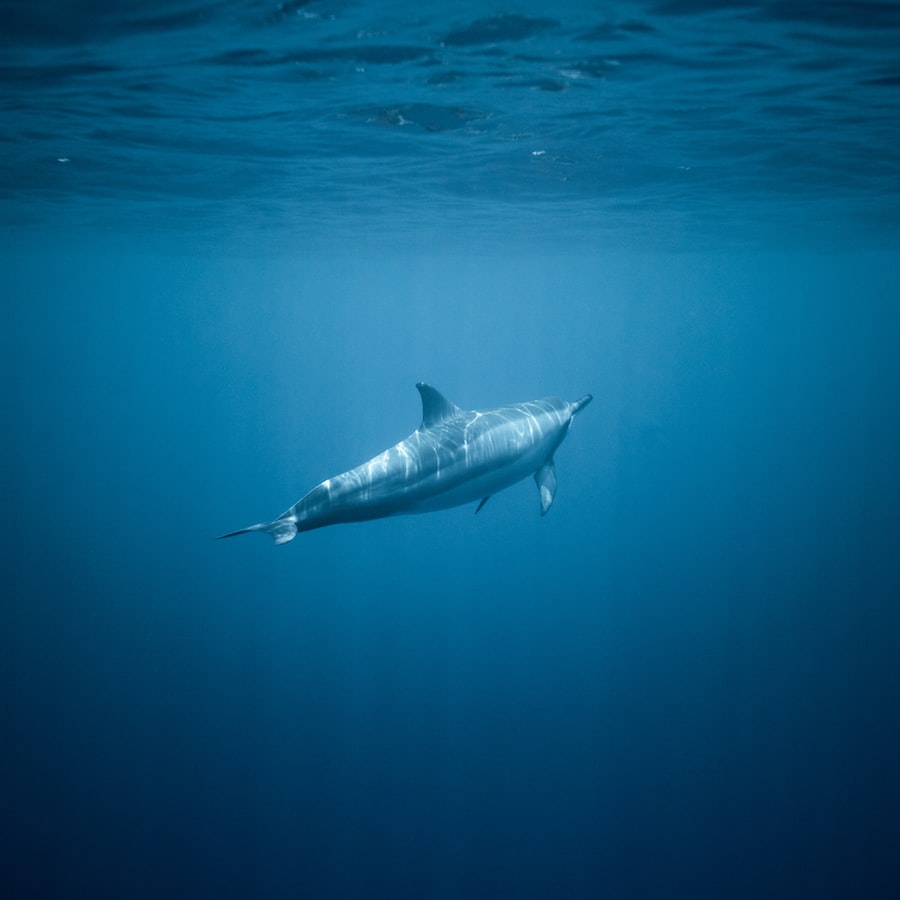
(545, 478)
(482, 504)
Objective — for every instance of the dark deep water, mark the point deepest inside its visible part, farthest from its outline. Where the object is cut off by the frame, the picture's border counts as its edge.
(232, 238)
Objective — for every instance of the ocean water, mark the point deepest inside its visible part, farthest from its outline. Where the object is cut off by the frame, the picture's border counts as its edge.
(234, 235)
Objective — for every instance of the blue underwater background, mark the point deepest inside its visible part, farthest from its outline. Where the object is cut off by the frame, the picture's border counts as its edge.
(234, 235)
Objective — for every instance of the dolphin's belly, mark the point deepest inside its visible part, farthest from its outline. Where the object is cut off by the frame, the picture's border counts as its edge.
(467, 489)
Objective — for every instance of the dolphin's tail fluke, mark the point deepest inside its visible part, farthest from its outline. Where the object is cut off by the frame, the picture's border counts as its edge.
(282, 530)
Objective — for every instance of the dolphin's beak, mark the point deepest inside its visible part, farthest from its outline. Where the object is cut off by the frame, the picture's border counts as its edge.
(581, 403)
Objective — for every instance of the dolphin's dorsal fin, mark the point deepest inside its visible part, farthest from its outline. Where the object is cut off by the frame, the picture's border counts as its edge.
(435, 406)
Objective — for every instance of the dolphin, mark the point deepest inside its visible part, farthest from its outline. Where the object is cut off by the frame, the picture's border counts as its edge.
(455, 456)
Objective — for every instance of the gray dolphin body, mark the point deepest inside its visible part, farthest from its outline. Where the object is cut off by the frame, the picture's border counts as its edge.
(455, 456)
